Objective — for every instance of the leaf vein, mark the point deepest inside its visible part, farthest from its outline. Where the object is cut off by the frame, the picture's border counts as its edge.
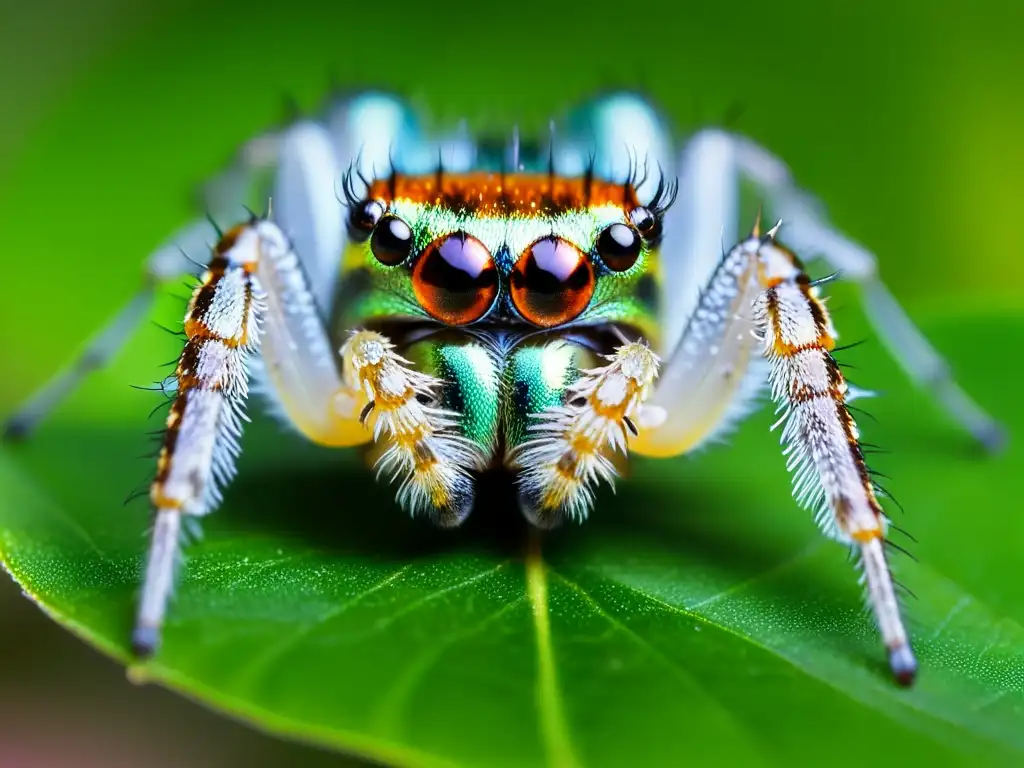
(551, 712)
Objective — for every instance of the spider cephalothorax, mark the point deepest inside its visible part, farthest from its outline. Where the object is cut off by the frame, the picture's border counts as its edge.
(459, 317)
(486, 247)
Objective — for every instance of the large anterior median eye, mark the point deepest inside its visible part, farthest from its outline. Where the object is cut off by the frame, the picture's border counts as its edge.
(552, 282)
(455, 279)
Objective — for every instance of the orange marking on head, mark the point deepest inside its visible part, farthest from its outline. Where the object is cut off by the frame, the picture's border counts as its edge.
(486, 192)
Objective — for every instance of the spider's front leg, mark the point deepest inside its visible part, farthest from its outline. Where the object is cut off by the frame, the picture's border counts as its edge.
(222, 326)
(253, 298)
(759, 307)
(820, 435)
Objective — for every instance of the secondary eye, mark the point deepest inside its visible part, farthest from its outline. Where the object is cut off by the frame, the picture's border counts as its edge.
(552, 282)
(619, 247)
(363, 218)
(646, 223)
(455, 279)
(391, 241)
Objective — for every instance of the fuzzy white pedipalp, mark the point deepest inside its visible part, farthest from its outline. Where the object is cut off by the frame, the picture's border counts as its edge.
(564, 457)
(427, 455)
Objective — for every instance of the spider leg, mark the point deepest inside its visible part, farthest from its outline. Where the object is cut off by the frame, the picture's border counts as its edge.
(302, 160)
(712, 374)
(222, 326)
(718, 363)
(167, 262)
(820, 435)
(252, 299)
(565, 455)
(808, 231)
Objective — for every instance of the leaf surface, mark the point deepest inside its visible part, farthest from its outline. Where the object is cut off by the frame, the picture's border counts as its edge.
(697, 617)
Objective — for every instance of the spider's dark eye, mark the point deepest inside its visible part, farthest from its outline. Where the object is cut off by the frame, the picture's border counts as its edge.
(391, 241)
(619, 246)
(455, 279)
(552, 282)
(363, 218)
(647, 224)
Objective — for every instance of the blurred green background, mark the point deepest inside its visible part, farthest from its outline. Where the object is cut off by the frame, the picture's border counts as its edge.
(906, 118)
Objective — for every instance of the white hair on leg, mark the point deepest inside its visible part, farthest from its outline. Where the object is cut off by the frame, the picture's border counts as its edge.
(820, 435)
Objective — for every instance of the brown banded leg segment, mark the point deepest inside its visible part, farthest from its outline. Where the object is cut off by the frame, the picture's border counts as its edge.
(222, 326)
(426, 452)
(253, 296)
(821, 438)
(565, 455)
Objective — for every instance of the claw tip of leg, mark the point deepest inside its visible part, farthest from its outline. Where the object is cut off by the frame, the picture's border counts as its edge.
(993, 438)
(145, 641)
(15, 430)
(903, 665)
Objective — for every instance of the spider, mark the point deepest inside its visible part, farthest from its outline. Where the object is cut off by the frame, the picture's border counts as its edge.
(469, 304)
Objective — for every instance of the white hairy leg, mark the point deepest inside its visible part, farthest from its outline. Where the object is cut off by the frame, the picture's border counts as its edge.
(566, 453)
(306, 170)
(713, 374)
(820, 436)
(253, 303)
(251, 298)
(222, 327)
(760, 286)
(710, 359)
(809, 233)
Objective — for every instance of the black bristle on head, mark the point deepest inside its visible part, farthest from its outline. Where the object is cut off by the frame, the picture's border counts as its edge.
(348, 187)
(664, 195)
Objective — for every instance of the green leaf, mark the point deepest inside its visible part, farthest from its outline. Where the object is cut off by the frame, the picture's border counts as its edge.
(697, 617)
